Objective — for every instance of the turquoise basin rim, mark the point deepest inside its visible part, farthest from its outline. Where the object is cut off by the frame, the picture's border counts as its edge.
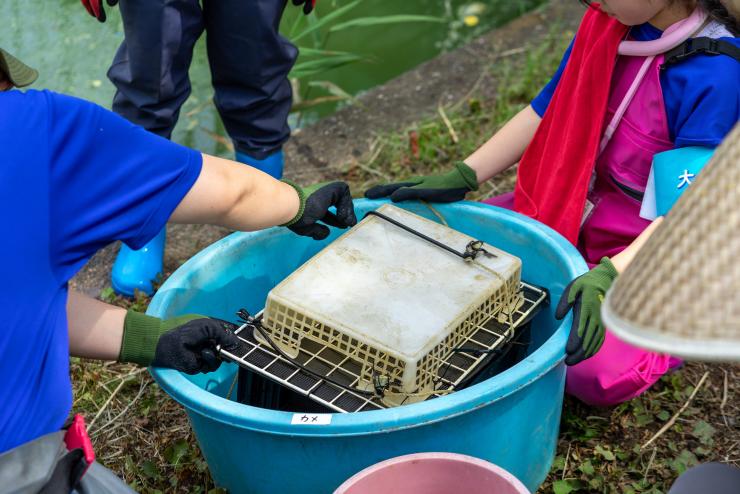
(550, 354)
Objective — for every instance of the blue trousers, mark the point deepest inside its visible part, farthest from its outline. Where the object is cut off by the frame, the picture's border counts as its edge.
(248, 58)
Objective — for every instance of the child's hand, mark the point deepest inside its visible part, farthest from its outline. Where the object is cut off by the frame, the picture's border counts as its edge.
(584, 295)
(449, 187)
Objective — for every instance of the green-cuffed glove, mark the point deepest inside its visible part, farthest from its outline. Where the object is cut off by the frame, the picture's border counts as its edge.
(315, 203)
(449, 187)
(584, 295)
(185, 343)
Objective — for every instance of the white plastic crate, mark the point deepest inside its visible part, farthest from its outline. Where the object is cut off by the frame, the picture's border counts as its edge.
(391, 301)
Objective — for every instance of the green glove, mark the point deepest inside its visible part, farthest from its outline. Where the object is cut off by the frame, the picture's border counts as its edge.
(449, 187)
(584, 295)
(186, 343)
(315, 203)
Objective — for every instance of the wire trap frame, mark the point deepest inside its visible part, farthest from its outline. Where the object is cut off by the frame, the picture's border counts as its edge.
(335, 381)
(396, 293)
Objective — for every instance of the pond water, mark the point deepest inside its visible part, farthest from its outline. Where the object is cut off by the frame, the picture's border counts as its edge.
(73, 51)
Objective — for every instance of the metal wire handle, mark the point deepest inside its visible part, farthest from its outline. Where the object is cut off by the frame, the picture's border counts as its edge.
(472, 250)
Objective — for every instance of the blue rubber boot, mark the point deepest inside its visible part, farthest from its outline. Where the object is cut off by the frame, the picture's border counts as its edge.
(136, 269)
(272, 165)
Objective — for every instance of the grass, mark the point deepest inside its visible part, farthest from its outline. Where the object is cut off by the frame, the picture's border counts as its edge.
(145, 437)
(431, 145)
(602, 450)
(136, 429)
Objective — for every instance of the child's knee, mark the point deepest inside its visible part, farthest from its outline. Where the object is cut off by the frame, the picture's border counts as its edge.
(594, 385)
(617, 373)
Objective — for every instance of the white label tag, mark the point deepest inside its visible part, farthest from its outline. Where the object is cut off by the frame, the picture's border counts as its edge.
(311, 419)
(587, 211)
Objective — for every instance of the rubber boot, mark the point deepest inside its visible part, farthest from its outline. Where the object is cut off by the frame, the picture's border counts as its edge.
(136, 269)
(272, 165)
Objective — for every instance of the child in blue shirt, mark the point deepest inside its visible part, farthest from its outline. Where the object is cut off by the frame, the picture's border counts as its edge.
(76, 177)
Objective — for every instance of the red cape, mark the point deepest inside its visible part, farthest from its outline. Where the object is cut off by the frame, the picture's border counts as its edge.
(556, 168)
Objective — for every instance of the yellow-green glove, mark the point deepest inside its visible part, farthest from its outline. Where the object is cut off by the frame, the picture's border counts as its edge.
(448, 187)
(584, 295)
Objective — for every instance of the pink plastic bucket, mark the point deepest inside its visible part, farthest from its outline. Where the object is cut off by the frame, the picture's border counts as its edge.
(433, 473)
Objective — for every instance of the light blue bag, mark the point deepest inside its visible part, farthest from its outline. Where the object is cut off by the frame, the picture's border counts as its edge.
(671, 174)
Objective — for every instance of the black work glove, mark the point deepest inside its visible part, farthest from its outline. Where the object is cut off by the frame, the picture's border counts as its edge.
(308, 5)
(315, 203)
(185, 343)
(95, 8)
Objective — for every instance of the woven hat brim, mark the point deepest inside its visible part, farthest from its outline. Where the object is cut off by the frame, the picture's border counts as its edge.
(711, 350)
(733, 6)
(17, 72)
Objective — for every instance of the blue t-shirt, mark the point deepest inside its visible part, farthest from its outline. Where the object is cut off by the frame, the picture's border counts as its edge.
(73, 178)
(701, 94)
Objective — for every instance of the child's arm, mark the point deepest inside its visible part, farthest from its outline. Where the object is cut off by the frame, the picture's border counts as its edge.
(236, 196)
(95, 328)
(243, 198)
(506, 146)
(187, 343)
(500, 152)
(624, 258)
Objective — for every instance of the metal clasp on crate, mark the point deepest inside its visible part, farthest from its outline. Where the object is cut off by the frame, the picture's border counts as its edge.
(474, 248)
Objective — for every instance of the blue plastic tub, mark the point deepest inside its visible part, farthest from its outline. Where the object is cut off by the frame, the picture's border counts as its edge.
(510, 419)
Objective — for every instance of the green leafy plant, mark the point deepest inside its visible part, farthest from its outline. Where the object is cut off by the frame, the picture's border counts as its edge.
(312, 33)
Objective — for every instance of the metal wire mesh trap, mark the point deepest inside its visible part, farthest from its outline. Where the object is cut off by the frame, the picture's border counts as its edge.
(335, 380)
(394, 311)
(396, 293)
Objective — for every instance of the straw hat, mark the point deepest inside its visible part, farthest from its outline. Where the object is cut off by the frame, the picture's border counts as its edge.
(16, 71)
(681, 293)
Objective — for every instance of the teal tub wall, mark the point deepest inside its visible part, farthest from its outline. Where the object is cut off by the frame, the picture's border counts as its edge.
(511, 419)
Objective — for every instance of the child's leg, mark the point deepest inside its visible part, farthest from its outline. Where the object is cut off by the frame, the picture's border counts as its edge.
(617, 373)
